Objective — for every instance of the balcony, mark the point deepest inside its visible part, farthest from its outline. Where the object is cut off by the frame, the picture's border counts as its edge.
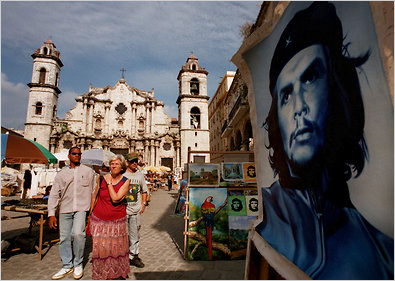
(238, 112)
(226, 130)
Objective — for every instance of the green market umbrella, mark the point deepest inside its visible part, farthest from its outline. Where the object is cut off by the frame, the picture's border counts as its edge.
(15, 150)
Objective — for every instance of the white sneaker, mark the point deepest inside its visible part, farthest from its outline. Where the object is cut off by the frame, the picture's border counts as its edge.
(78, 272)
(62, 273)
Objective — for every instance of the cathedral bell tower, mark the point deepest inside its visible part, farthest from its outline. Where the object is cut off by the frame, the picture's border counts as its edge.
(193, 110)
(43, 93)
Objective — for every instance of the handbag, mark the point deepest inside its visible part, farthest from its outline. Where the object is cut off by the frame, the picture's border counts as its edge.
(88, 225)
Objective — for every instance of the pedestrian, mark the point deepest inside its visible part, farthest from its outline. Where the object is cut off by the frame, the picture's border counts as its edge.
(71, 192)
(136, 203)
(316, 136)
(108, 224)
(26, 182)
(169, 181)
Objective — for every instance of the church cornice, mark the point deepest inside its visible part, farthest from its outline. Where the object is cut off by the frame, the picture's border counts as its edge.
(48, 57)
(57, 90)
(203, 71)
(180, 97)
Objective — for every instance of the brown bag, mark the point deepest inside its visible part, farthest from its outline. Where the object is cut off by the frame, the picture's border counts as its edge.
(88, 226)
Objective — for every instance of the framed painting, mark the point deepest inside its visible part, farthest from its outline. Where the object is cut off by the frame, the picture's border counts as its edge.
(249, 172)
(203, 175)
(232, 171)
(208, 224)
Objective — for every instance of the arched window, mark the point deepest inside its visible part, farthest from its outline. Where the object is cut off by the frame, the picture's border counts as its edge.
(238, 140)
(45, 50)
(194, 86)
(56, 79)
(248, 135)
(193, 66)
(98, 123)
(42, 76)
(120, 124)
(232, 144)
(195, 118)
(39, 108)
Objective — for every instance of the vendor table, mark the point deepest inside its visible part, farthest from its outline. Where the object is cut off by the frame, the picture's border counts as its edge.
(40, 210)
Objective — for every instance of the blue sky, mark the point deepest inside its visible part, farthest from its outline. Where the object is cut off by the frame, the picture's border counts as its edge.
(150, 39)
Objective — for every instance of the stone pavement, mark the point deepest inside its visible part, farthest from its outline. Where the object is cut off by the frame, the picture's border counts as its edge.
(161, 249)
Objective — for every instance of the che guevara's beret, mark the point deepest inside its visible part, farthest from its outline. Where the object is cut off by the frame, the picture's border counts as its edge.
(317, 24)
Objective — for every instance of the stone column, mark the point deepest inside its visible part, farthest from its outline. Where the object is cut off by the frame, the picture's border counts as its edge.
(146, 143)
(106, 119)
(133, 121)
(90, 120)
(157, 156)
(153, 152)
(178, 154)
(84, 118)
(147, 106)
(152, 117)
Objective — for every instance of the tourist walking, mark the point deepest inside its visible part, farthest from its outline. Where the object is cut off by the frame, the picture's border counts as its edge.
(108, 224)
(71, 193)
(136, 203)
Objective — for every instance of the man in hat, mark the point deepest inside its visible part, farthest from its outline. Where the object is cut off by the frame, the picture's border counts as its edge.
(315, 127)
(136, 202)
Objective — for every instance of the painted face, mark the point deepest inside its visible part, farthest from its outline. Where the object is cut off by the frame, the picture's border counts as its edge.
(302, 96)
(115, 167)
(254, 205)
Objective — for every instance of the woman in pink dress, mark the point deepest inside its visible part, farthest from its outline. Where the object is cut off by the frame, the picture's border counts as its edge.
(110, 250)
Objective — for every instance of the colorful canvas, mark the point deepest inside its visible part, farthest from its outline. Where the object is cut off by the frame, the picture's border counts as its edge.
(249, 172)
(237, 206)
(232, 171)
(203, 175)
(252, 205)
(180, 207)
(238, 236)
(208, 224)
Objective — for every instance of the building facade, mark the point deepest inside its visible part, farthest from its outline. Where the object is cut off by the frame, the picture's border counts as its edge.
(119, 118)
(216, 112)
(237, 129)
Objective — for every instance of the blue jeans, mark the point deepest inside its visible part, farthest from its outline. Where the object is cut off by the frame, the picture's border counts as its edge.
(72, 227)
(134, 234)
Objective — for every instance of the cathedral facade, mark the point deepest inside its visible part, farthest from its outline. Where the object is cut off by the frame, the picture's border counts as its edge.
(119, 118)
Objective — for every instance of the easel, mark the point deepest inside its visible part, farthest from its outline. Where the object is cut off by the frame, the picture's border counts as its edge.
(186, 217)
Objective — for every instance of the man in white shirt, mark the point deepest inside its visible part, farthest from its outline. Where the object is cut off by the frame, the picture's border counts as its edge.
(72, 192)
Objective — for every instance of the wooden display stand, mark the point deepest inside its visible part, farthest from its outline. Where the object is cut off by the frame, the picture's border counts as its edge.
(221, 157)
(265, 263)
(40, 210)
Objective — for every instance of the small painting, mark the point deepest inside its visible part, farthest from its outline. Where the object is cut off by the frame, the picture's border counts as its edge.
(249, 172)
(203, 175)
(232, 171)
(252, 205)
(238, 236)
(237, 206)
(208, 226)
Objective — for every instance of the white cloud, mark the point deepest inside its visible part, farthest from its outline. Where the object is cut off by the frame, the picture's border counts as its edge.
(14, 99)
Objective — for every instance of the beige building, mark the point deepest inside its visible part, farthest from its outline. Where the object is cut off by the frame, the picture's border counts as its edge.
(217, 113)
(237, 130)
(119, 118)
